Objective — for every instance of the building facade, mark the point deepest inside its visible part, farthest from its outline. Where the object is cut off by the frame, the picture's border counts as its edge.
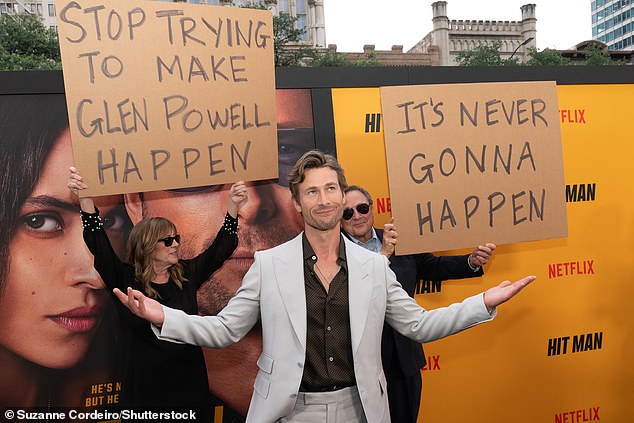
(45, 9)
(309, 13)
(613, 23)
(452, 36)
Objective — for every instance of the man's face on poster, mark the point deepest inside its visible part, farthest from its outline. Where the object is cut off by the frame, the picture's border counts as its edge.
(267, 220)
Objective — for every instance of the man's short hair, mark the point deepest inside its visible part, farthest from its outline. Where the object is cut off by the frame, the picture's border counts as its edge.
(313, 159)
(362, 190)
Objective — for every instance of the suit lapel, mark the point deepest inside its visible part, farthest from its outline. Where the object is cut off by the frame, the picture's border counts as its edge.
(360, 284)
(289, 275)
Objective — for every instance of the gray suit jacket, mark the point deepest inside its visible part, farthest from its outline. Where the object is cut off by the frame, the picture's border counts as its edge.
(273, 291)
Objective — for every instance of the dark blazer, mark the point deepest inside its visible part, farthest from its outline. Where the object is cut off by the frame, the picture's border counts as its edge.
(409, 269)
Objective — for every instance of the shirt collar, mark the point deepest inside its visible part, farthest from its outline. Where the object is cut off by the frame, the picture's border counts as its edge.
(311, 257)
(372, 244)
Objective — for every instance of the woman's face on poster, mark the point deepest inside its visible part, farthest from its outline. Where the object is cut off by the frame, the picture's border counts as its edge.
(54, 299)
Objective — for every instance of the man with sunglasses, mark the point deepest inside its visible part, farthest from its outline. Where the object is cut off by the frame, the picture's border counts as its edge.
(402, 357)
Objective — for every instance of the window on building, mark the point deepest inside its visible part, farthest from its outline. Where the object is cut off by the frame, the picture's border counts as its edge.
(283, 6)
(51, 9)
(302, 20)
(302, 24)
(300, 6)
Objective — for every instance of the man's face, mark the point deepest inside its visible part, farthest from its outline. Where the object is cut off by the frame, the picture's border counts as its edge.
(320, 199)
(360, 225)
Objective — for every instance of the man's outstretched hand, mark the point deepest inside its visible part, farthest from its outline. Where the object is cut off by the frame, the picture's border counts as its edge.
(142, 306)
(495, 296)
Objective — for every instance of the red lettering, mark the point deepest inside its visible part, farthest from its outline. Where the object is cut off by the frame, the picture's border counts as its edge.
(436, 360)
(380, 205)
(383, 205)
(552, 271)
(433, 363)
(568, 268)
(577, 416)
(572, 116)
(563, 114)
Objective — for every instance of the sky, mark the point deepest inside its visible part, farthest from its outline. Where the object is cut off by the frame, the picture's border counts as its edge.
(350, 24)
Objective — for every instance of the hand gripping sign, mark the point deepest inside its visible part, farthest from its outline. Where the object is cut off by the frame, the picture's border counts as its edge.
(168, 95)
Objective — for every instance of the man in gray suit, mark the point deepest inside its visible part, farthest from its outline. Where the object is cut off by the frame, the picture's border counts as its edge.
(322, 301)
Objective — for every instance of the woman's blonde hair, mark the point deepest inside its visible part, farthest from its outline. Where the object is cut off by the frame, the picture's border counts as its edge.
(141, 244)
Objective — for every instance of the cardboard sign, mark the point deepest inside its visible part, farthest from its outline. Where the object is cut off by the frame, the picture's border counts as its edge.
(474, 163)
(168, 95)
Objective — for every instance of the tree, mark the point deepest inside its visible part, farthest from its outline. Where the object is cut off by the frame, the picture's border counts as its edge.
(26, 44)
(546, 57)
(286, 38)
(485, 55)
(369, 61)
(489, 55)
(332, 58)
(595, 55)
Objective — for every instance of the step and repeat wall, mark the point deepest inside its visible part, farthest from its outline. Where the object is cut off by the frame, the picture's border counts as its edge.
(559, 352)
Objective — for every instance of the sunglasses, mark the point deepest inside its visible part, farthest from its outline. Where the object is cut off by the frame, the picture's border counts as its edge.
(169, 240)
(361, 209)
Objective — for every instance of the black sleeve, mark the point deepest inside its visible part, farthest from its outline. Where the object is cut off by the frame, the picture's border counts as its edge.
(111, 269)
(200, 268)
(440, 268)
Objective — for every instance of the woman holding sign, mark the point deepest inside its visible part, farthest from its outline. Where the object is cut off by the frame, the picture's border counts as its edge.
(56, 337)
(159, 376)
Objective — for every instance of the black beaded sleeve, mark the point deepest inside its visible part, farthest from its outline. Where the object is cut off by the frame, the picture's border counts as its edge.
(110, 268)
(230, 224)
(203, 266)
(91, 221)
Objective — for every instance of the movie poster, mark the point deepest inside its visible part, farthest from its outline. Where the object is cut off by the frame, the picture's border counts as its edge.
(58, 344)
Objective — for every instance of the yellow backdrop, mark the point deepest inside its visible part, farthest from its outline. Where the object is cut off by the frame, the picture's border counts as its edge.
(560, 352)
